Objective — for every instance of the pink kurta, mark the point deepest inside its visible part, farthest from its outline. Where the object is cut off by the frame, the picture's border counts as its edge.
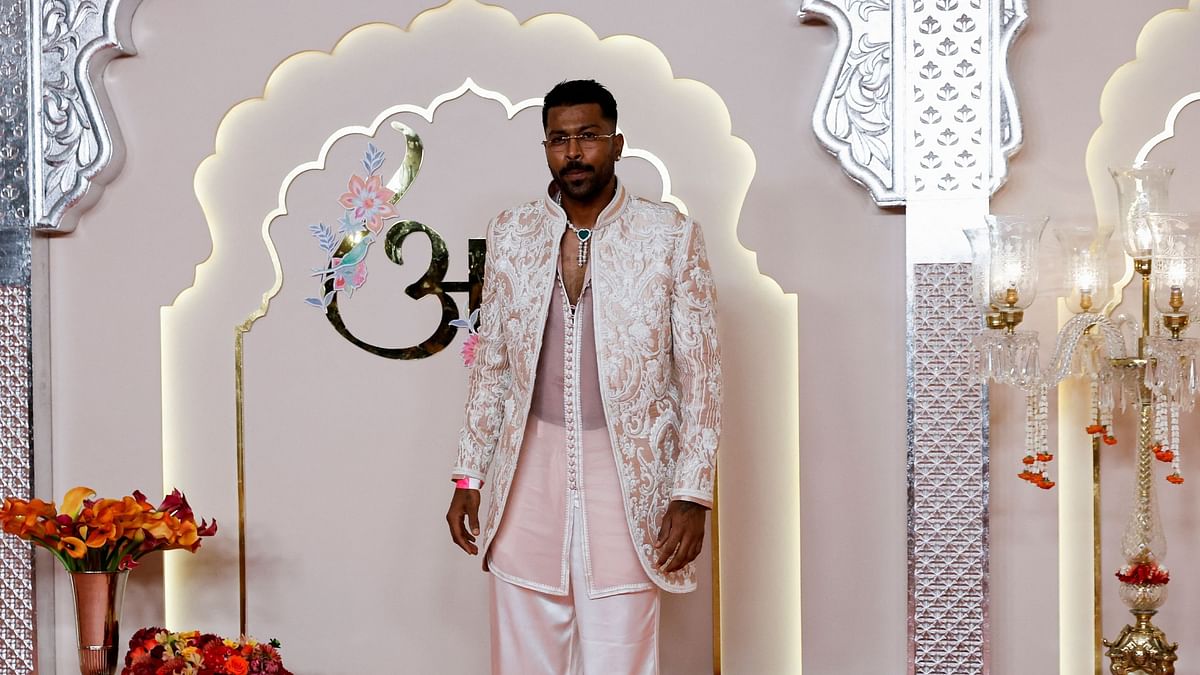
(567, 471)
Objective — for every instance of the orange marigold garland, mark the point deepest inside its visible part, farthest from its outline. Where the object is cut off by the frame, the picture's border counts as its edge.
(1037, 453)
(1101, 430)
(1166, 434)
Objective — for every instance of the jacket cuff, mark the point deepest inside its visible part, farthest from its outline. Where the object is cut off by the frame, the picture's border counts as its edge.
(463, 472)
(700, 498)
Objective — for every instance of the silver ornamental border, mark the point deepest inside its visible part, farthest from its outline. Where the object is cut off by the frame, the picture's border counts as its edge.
(60, 146)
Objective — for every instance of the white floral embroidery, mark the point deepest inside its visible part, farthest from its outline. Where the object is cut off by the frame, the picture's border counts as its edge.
(657, 353)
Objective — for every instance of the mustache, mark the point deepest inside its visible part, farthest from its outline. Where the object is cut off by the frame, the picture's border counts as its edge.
(576, 166)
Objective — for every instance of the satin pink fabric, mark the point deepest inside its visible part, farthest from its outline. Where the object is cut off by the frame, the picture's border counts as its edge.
(532, 547)
(540, 634)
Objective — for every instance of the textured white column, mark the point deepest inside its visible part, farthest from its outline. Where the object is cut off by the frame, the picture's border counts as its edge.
(1076, 544)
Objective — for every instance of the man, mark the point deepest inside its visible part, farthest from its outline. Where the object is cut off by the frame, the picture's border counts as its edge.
(594, 399)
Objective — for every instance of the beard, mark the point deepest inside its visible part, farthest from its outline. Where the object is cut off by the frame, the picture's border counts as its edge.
(585, 186)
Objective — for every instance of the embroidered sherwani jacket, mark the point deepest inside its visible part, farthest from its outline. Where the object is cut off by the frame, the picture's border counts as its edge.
(656, 349)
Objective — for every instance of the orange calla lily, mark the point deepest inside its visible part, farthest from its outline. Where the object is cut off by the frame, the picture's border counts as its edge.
(75, 546)
(158, 528)
(26, 519)
(73, 500)
(186, 534)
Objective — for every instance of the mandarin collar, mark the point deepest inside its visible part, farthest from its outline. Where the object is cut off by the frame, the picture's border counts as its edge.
(610, 213)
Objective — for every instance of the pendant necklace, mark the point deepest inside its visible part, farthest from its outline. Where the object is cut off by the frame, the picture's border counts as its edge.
(582, 233)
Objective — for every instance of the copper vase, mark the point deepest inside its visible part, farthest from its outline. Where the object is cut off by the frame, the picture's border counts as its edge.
(98, 597)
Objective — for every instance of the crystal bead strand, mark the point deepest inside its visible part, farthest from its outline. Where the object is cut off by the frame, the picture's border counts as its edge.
(1163, 444)
(1107, 402)
(1190, 375)
(1043, 444)
(1175, 477)
(1036, 427)
(1029, 472)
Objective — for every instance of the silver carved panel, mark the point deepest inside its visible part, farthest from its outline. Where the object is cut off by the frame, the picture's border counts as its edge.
(854, 117)
(75, 139)
(917, 103)
(948, 477)
(949, 95)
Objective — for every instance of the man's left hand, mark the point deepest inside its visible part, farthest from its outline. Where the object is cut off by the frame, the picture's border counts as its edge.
(681, 537)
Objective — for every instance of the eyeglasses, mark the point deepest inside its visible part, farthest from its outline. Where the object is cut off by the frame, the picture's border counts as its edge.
(587, 141)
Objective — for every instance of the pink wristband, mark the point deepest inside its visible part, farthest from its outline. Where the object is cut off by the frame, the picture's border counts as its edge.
(468, 483)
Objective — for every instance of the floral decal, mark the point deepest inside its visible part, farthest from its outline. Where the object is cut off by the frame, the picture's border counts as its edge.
(468, 348)
(367, 203)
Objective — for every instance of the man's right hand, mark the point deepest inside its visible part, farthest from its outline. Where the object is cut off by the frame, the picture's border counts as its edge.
(464, 513)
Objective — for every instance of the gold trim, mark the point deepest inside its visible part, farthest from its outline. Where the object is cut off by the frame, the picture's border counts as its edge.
(716, 576)
(427, 113)
(410, 166)
(240, 417)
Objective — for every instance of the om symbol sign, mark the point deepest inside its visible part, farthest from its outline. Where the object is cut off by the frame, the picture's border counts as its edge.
(367, 204)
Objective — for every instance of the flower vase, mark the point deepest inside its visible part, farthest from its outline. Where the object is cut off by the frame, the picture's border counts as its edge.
(98, 598)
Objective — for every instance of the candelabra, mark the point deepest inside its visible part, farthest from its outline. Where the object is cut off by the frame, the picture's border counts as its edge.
(1127, 363)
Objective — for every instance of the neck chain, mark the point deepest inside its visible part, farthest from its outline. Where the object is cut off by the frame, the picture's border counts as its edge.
(582, 233)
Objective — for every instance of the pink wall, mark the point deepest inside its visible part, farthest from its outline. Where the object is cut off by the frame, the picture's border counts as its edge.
(814, 232)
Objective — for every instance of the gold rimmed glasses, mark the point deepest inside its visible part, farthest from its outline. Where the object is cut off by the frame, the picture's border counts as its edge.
(587, 141)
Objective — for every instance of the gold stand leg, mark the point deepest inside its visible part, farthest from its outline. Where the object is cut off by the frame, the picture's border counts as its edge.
(1142, 648)
(716, 577)
(1098, 612)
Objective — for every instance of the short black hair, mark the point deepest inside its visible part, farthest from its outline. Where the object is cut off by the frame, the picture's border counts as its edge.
(580, 92)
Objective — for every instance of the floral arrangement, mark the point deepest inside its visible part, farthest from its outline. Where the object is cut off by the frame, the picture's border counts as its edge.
(157, 651)
(105, 535)
(1144, 574)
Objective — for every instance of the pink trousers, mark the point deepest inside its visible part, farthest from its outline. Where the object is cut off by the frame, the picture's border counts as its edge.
(537, 633)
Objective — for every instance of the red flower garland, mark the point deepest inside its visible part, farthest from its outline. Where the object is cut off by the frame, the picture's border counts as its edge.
(157, 651)
(1144, 574)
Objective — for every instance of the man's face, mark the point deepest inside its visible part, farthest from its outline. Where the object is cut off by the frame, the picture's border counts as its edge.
(582, 170)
